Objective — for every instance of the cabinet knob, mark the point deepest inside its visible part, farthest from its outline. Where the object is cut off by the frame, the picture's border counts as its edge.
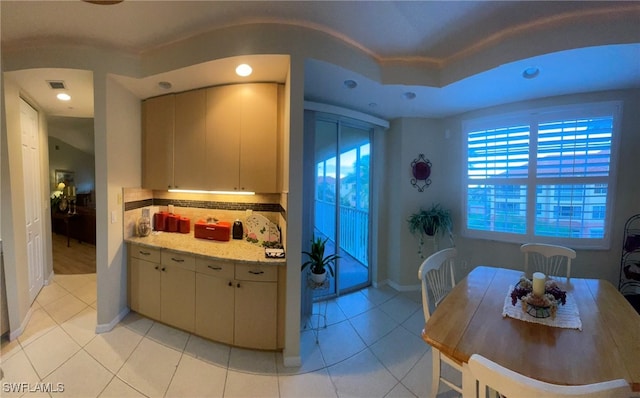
(163, 268)
(230, 284)
(238, 285)
(156, 267)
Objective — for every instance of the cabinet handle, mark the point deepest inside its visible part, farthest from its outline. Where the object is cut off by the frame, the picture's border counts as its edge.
(216, 268)
(259, 272)
(144, 253)
(177, 260)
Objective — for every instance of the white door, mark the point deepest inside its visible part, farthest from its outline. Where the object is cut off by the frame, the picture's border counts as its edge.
(33, 197)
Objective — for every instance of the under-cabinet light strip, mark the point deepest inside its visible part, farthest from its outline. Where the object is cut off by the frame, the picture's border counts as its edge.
(213, 192)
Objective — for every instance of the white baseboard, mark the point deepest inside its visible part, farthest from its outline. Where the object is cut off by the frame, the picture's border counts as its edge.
(107, 327)
(292, 362)
(403, 288)
(14, 334)
(49, 278)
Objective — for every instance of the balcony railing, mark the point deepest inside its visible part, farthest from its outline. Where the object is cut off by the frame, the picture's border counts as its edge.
(354, 228)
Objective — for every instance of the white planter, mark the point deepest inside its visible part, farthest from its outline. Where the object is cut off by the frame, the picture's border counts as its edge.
(319, 278)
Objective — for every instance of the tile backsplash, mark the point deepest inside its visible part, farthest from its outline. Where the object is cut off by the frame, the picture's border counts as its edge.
(200, 206)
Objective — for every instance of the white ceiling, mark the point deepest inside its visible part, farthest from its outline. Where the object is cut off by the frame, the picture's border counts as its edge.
(420, 32)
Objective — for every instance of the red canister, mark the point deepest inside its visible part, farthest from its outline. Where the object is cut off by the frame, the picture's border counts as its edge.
(160, 221)
(185, 225)
(172, 223)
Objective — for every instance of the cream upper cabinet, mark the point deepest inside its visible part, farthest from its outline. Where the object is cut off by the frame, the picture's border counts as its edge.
(189, 150)
(222, 138)
(157, 142)
(242, 124)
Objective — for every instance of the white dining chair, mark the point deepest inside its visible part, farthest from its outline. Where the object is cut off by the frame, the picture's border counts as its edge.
(511, 384)
(437, 279)
(547, 259)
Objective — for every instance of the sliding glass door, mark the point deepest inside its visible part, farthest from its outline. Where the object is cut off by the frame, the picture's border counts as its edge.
(341, 205)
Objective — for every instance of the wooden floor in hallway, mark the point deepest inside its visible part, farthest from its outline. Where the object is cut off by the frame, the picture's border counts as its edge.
(77, 258)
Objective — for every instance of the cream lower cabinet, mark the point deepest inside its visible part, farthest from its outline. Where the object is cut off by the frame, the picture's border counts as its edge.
(215, 292)
(162, 286)
(235, 304)
(238, 304)
(144, 281)
(256, 303)
(177, 294)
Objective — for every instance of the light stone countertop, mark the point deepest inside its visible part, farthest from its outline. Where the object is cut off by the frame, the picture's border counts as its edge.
(239, 251)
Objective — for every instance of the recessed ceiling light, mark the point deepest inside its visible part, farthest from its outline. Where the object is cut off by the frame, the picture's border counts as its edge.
(165, 85)
(63, 97)
(531, 73)
(409, 95)
(350, 84)
(243, 70)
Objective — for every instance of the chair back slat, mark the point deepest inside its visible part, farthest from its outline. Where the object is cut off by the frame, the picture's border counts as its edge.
(437, 278)
(512, 384)
(549, 259)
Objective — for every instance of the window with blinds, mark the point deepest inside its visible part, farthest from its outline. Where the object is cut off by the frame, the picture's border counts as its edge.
(542, 176)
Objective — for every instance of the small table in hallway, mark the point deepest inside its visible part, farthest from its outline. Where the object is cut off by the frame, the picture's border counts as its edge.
(66, 217)
(469, 320)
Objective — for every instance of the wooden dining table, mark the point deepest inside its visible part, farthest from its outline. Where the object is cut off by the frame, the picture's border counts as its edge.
(470, 321)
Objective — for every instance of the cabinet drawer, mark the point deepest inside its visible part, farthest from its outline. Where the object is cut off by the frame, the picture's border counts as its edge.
(145, 253)
(181, 260)
(262, 273)
(221, 269)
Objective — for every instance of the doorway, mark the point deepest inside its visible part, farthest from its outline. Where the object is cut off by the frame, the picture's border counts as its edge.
(73, 224)
(342, 153)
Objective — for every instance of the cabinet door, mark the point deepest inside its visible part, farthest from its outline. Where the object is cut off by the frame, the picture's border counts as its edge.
(189, 168)
(214, 308)
(177, 297)
(157, 142)
(256, 314)
(259, 138)
(144, 287)
(223, 138)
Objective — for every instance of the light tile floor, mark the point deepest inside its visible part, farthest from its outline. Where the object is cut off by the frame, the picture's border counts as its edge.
(370, 348)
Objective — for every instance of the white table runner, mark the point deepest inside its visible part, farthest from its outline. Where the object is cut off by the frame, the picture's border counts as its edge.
(567, 315)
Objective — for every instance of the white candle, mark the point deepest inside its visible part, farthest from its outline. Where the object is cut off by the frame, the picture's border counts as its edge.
(538, 283)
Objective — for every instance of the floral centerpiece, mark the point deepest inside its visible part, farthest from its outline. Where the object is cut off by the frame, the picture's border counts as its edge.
(536, 305)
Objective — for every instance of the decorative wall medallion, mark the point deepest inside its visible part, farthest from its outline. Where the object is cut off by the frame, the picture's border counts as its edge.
(421, 170)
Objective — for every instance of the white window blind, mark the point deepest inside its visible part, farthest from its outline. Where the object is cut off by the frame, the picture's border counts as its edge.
(541, 177)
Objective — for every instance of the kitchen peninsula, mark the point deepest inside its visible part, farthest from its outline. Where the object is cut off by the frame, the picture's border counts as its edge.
(224, 291)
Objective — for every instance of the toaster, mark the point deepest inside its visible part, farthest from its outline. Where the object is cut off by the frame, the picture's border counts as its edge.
(220, 230)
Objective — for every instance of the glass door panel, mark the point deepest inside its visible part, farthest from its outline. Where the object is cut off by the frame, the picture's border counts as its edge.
(354, 208)
(341, 204)
(326, 143)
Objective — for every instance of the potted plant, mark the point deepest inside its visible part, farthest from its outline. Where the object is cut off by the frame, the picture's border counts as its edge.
(430, 222)
(318, 263)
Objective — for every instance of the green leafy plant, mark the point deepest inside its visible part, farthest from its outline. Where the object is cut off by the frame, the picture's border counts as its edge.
(317, 262)
(430, 222)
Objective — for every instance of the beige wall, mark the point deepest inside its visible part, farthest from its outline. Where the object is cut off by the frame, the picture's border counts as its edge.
(408, 137)
(118, 149)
